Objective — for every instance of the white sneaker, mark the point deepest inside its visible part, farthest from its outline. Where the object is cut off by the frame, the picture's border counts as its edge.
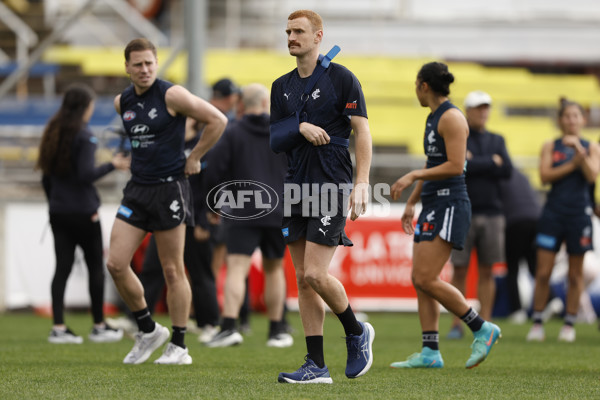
(105, 334)
(518, 317)
(554, 307)
(128, 326)
(59, 336)
(536, 333)
(174, 355)
(192, 327)
(146, 343)
(208, 333)
(226, 338)
(280, 340)
(566, 334)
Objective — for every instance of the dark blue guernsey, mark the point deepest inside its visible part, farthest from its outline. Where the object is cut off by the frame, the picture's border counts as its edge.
(435, 150)
(157, 137)
(569, 195)
(336, 96)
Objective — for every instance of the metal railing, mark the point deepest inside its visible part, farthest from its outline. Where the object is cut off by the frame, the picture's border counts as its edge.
(26, 37)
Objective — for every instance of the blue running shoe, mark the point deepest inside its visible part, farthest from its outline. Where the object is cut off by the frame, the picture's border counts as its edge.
(485, 338)
(455, 333)
(307, 373)
(427, 358)
(360, 351)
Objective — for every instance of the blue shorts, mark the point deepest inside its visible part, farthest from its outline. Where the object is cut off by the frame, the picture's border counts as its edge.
(450, 219)
(555, 228)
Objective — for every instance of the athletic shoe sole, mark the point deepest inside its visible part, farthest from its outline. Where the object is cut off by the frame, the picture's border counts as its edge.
(316, 380)
(104, 338)
(55, 340)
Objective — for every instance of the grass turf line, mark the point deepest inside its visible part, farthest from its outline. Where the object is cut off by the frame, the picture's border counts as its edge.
(32, 368)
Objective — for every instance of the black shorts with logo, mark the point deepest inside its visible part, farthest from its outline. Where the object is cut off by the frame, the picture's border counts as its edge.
(324, 228)
(245, 239)
(575, 231)
(449, 219)
(157, 207)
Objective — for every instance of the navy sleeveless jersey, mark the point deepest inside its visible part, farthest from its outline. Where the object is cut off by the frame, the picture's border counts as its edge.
(157, 137)
(571, 194)
(435, 150)
(336, 96)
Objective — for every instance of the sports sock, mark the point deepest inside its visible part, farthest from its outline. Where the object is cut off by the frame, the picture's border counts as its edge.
(537, 317)
(570, 319)
(431, 339)
(473, 320)
(275, 327)
(228, 324)
(144, 320)
(178, 336)
(349, 322)
(314, 345)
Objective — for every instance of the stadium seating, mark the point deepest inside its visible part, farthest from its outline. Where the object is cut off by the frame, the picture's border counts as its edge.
(396, 117)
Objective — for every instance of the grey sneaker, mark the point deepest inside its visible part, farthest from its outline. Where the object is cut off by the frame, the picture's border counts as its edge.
(105, 335)
(174, 355)
(226, 338)
(145, 344)
(127, 325)
(58, 336)
(208, 333)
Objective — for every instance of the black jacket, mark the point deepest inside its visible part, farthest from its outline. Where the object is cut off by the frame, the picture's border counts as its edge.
(243, 154)
(75, 192)
(483, 175)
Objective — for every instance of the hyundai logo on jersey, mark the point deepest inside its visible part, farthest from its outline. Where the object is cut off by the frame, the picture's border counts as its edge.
(139, 129)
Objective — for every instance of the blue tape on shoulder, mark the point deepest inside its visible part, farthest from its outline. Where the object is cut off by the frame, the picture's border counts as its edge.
(329, 56)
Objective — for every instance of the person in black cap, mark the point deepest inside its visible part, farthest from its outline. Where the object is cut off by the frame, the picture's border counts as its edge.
(225, 96)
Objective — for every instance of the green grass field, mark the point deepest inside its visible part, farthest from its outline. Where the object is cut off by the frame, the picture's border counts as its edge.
(31, 368)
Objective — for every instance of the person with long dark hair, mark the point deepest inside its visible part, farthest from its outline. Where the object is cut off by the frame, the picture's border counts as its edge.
(67, 161)
(444, 220)
(570, 164)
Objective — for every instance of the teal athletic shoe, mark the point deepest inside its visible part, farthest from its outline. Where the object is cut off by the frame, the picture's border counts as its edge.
(455, 333)
(485, 338)
(427, 358)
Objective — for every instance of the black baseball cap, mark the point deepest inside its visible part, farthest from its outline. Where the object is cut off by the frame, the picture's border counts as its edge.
(224, 87)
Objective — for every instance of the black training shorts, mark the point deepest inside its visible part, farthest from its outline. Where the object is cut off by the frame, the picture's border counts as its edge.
(157, 207)
(245, 239)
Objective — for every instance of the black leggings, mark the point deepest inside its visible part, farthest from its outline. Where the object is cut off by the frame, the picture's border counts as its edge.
(70, 230)
(519, 245)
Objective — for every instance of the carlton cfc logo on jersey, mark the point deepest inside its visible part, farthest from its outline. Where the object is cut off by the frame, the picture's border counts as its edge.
(128, 115)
